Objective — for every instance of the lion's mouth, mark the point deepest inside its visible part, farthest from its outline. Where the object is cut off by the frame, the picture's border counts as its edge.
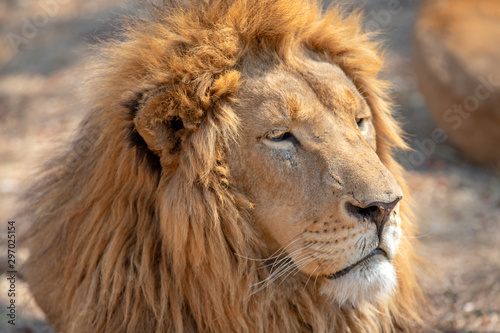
(377, 251)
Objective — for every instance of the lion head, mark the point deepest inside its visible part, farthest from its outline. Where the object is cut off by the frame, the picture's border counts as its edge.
(306, 157)
(235, 174)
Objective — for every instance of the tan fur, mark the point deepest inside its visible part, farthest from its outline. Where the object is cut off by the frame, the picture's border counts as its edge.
(154, 219)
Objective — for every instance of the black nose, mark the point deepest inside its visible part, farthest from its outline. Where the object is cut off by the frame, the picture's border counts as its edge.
(376, 212)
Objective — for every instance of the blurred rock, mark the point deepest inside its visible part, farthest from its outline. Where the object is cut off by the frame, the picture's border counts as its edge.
(457, 51)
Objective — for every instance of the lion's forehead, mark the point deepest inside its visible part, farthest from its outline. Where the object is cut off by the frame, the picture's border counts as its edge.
(287, 92)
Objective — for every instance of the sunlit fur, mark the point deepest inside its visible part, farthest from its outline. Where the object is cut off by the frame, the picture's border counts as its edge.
(123, 242)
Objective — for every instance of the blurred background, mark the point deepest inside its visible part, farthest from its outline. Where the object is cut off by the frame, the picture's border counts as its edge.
(443, 58)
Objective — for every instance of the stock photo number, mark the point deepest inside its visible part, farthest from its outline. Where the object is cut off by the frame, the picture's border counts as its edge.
(11, 273)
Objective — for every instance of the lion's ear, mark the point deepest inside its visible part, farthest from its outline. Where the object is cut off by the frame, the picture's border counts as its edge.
(157, 124)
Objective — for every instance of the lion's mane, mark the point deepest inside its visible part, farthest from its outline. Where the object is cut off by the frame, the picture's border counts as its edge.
(123, 240)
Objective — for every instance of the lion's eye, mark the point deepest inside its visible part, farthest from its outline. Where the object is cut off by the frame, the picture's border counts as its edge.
(280, 136)
(361, 122)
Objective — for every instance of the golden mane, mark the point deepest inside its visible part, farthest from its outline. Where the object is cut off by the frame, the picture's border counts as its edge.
(125, 241)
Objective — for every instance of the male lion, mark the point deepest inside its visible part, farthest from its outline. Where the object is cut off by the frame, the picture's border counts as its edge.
(234, 175)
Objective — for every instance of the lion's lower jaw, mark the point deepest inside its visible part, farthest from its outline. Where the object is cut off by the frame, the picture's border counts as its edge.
(374, 283)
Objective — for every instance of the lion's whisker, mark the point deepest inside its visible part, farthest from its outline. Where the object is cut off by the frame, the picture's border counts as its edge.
(310, 275)
(277, 262)
(315, 280)
(289, 265)
(284, 248)
(286, 266)
(252, 259)
(297, 267)
(276, 255)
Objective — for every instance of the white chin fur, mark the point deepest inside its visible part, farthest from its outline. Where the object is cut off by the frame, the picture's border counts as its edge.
(373, 281)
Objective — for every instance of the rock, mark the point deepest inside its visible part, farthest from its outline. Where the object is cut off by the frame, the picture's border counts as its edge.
(457, 59)
(468, 307)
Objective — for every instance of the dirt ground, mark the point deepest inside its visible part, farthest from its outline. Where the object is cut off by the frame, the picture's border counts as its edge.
(457, 204)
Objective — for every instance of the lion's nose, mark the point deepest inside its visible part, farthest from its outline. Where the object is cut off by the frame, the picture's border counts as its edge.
(377, 212)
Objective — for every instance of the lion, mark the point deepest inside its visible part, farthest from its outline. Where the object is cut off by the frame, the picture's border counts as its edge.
(235, 173)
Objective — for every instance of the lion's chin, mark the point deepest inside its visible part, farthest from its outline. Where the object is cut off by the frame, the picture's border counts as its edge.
(373, 281)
